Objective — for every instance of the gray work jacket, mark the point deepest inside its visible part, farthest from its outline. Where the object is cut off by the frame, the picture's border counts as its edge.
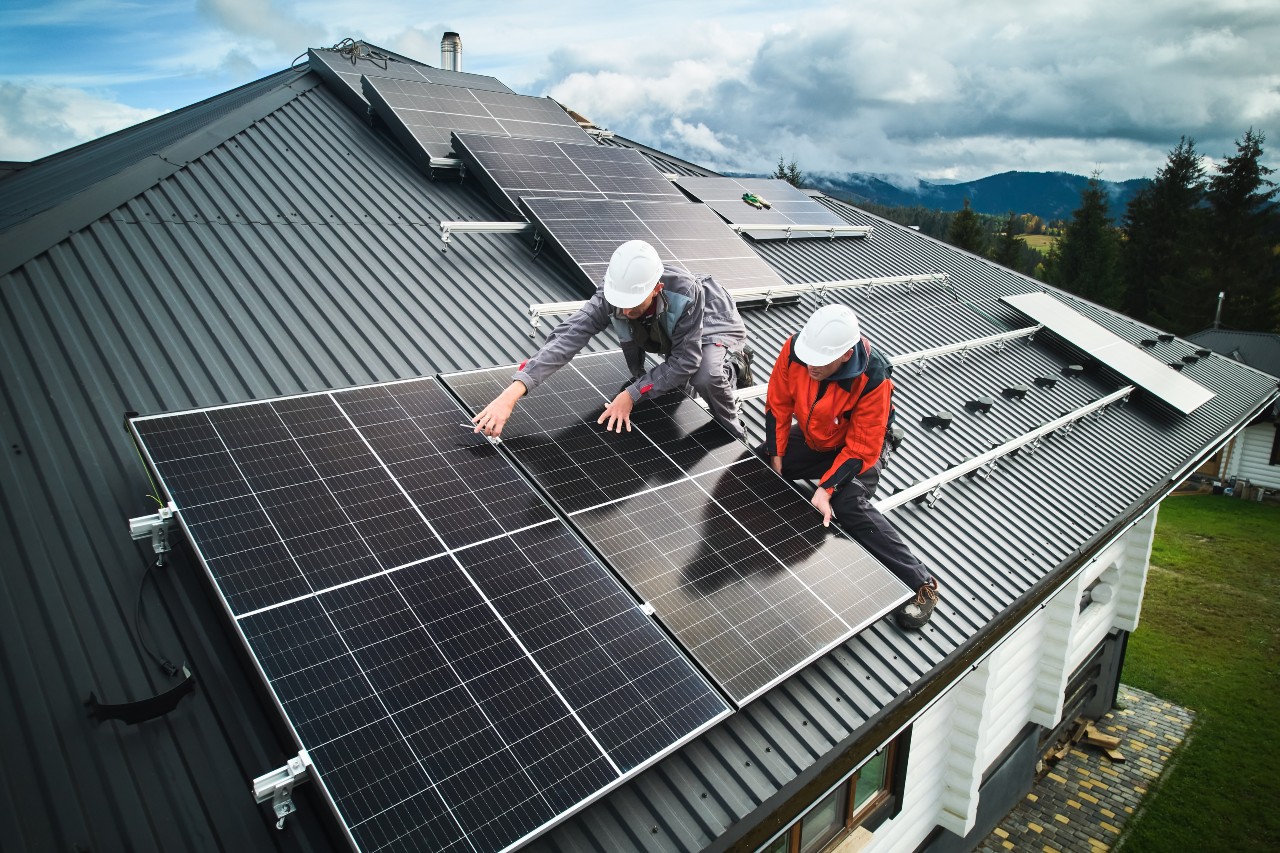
(693, 313)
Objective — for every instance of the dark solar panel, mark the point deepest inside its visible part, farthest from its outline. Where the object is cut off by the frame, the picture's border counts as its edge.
(462, 671)
(525, 168)
(343, 72)
(688, 235)
(734, 561)
(1113, 351)
(787, 205)
(422, 115)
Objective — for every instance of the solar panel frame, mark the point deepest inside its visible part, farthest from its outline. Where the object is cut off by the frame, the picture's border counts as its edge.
(685, 234)
(538, 576)
(1155, 377)
(340, 70)
(423, 115)
(712, 506)
(789, 206)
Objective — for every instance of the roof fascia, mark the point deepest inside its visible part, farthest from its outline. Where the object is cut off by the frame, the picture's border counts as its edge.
(46, 229)
(797, 795)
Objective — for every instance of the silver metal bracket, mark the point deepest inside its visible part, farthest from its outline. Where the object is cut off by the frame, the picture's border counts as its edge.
(156, 528)
(277, 786)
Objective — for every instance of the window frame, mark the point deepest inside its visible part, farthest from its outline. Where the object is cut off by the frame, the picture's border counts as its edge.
(877, 807)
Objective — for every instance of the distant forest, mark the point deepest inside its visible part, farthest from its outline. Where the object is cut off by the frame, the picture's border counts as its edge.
(1181, 239)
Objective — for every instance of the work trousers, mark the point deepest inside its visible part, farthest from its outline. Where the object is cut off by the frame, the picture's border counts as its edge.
(851, 505)
(715, 380)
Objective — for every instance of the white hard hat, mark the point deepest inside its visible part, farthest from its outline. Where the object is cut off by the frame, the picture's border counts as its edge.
(831, 332)
(633, 273)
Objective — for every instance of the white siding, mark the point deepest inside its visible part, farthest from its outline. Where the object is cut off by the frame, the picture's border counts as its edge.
(955, 741)
(1251, 456)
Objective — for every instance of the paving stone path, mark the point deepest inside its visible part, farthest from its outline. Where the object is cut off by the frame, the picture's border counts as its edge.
(1084, 800)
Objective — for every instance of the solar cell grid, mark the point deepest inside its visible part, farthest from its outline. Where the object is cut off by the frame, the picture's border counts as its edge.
(424, 113)
(461, 670)
(687, 235)
(733, 560)
(788, 205)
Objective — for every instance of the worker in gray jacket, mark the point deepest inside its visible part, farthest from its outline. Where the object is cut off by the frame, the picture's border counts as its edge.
(655, 308)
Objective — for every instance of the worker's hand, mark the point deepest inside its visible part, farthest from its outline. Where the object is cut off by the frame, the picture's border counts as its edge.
(776, 462)
(493, 417)
(822, 501)
(617, 413)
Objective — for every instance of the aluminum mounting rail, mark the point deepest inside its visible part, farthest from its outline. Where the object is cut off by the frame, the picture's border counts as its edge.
(917, 358)
(789, 229)
(929, 490)
(538, 310)
(449, 228)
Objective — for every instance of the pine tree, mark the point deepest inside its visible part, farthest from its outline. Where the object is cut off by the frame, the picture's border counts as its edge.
(1086, 259)
(1243, 232)
(966, 231)
(789, 172)
(1167, 280)
(1009, 249)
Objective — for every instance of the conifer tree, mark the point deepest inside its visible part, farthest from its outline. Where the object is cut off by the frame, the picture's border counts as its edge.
(966, 231)
(1244, 230)
(1009, 249)
(1086, 259)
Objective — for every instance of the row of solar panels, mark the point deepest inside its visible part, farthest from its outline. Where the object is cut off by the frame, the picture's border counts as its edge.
(436, 616)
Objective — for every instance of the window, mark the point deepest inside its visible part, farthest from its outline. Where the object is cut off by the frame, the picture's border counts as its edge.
(866, 795)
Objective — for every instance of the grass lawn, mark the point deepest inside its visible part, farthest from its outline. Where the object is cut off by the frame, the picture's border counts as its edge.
(1039, 242)
(1209, 639)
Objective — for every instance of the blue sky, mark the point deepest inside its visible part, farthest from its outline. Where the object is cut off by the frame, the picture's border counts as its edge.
(930, 89)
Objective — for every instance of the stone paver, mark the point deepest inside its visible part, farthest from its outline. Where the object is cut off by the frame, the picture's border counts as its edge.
(1084, 800)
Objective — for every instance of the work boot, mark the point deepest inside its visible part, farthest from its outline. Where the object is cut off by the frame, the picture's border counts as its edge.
(915, 613)
(742, 360)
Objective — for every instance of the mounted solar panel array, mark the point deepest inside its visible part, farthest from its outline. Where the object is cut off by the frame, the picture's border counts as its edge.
(761, 201)
(423, 115)
(685, 234)
(524, 168)
(462, 671)
(1112, 351)
(734, 561)
(344, 70)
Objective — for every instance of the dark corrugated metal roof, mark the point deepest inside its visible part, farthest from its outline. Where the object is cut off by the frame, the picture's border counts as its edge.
(299, 250)
(1260, 350)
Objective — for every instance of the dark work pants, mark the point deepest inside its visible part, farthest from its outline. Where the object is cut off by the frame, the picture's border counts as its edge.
(851, 505)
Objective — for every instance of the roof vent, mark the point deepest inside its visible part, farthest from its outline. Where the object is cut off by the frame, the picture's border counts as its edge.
(1165, 336)
(982, 405)
(1190, 359)
(1147, 342)
(941, 420)
(1015, 392)
(1176, 365)
(1073, 370)
(1045, 382)
(1204, 352)
(451, 52)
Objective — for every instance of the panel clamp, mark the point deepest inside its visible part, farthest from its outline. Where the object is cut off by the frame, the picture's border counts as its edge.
(277, 786)
(156, 528)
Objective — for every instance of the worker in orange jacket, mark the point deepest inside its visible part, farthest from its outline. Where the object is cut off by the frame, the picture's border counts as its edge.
(828, 410)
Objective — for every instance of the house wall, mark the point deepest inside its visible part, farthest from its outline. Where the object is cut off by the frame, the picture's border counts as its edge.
(1251, 456)
(970, 729)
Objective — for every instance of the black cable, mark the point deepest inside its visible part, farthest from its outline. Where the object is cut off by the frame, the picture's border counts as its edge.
(166, 665)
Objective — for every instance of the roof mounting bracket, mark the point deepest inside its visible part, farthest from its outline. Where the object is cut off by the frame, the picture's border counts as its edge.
(450, 227)
(277, 786)
(156, 528)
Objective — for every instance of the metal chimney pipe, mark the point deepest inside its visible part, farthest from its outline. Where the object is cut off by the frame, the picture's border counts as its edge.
(1217, 317)
(451, 52)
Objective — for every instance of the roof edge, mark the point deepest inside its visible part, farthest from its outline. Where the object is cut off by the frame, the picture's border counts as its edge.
(34, 236)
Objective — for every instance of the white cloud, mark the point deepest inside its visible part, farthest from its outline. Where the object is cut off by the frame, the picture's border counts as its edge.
(38, 120)
(271, 21)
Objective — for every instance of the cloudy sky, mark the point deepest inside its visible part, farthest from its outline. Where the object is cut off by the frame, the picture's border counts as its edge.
(917, 89)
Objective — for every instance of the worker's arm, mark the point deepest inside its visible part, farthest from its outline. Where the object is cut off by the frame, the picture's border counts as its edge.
(493, 417)
(779, 408)
(865, 436)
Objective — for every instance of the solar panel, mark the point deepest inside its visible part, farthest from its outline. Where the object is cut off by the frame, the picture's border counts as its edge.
(516, 168)
(687, 235)
(422, 115)
(734, 561)
(344, 70)
(787, 205)
(1114, 352)
(462, 670)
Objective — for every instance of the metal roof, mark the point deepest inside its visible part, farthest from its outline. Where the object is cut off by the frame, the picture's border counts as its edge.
(291, 248)
(1259, 350)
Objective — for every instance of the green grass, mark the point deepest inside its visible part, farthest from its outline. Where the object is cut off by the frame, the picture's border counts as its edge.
(1209, 639)
(1040, 242)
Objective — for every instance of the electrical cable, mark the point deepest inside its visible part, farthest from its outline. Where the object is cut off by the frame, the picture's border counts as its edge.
(166, 666)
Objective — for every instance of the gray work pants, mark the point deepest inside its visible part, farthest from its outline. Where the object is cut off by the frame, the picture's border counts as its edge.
(851, 505)
(715, 380)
